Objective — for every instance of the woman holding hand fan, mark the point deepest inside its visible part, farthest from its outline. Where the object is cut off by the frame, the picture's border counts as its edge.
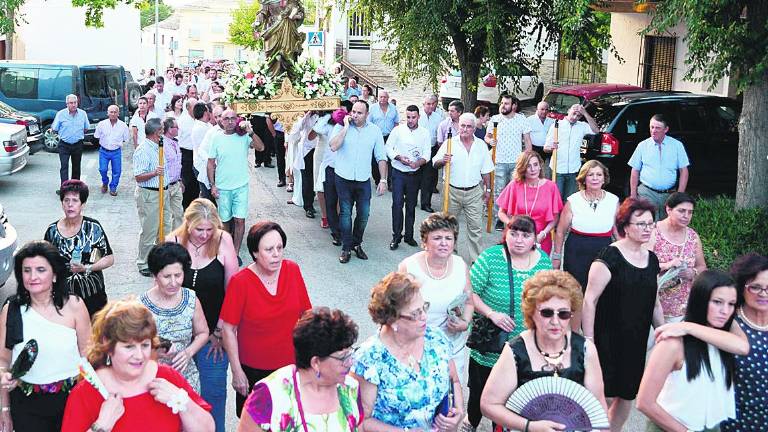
(548, 348)
(34, 393)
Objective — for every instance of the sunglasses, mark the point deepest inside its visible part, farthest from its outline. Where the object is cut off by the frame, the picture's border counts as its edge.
(561, 314)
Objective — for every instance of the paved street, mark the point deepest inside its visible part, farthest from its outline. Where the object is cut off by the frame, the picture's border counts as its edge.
(31, 205)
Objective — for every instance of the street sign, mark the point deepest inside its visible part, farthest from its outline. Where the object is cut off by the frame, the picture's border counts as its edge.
(315, 38)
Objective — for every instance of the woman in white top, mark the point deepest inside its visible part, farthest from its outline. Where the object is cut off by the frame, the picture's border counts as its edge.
(42, 309)
(444, 279)
(688, 382)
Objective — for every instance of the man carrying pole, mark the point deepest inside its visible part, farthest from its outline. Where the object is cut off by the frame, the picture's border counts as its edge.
(469, 180)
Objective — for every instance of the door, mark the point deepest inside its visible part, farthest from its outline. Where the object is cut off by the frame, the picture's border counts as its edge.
(359, 40)
(722, 144)
(100, 88)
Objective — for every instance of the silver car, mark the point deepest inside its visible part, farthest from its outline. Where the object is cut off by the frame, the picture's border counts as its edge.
(13, 148)
(8, 240)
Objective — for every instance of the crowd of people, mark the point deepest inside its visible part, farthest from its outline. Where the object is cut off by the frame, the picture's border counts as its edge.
(575, 287)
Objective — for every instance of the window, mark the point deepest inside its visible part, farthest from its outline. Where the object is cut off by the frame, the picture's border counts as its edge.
(693, 117)
(725, 118)
(657, 65)
(217, 28)
(19, 83)
(55, 84)
(571, 70)
(635, 120)
(101, 84)
(218, 51)
(194, 33)
(196, 54)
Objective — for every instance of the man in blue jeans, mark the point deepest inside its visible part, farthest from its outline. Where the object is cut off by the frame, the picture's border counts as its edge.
(354, 143)
(71, 123)
(112, 133)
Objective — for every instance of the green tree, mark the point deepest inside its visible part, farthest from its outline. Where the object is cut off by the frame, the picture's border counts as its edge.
(240, 30)
(148, 13)
(730, 38)
(429, 37)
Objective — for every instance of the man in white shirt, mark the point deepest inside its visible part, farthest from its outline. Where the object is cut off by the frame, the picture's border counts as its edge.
(512, 130)
(162, 97)
(177, 87)
(188, 178)
(430, 120)
(112, 133)
(138, 121)
(540, 124)
(409, 147)
(471, 166)
(201, 154)
(570, 135)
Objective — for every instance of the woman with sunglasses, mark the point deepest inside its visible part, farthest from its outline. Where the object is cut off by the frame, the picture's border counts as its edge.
(407, 379)
(621, 303)
(751, 274)
(547, 348)
(688, 384)
(317, 393)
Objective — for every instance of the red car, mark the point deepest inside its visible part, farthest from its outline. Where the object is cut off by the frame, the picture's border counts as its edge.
(561, 98)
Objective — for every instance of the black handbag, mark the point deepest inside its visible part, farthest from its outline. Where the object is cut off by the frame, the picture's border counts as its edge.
(487, 337)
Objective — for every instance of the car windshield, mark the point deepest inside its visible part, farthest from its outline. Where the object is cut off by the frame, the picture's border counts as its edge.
(560, 102)
(603, 113)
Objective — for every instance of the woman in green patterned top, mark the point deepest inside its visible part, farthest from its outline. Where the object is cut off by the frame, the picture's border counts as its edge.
(490, 283)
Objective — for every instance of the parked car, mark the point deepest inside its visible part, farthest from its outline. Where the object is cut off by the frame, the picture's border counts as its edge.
(13, 148)
(8, 239)
(135, 91)
(41, 89)
(561, 98)
(491, 87)
(11, 115)
(706, 125)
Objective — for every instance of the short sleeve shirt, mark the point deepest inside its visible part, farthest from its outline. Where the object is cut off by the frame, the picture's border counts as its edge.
(111, 137)
(467, 167)
(658, 164)
(231, 154)
(509, 136)
(386, 121)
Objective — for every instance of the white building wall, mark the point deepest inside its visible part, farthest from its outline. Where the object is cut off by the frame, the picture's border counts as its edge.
(625, 32)
(55, 32)
(165, 55)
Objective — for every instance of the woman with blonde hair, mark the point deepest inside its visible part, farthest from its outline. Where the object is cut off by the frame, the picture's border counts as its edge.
(532, 195)
(214, 261)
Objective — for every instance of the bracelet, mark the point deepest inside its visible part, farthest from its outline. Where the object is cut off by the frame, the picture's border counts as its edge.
(5, 409)
(527, 423)
(96, 428)
(178, 403)
(556, 255)
(88, 269)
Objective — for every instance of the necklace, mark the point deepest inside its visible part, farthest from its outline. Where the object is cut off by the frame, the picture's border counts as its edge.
(525, 197)
(528, 266)
(429, 270)
(593, 202)
(197, 248)
(410, 360)
(750, 323)
(554, 361)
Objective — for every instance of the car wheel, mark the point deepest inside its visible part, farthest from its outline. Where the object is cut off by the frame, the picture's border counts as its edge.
(134, 93)
(539, 93)
(50, 139)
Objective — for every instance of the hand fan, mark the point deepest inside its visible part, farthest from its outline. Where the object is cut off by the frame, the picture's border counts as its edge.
(89, 374)
(25, 360)
(560, 400)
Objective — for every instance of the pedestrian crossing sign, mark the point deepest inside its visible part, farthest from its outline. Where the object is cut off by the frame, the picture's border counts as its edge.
(315, 39)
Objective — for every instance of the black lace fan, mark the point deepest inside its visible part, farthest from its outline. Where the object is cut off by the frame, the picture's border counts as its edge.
(25, 360)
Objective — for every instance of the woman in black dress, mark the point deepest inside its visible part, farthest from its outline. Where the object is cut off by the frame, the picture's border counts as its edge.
(547, 348)
(621, 303)
(83, 244)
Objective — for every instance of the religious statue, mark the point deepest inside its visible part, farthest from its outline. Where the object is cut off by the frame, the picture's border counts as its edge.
(277, 23)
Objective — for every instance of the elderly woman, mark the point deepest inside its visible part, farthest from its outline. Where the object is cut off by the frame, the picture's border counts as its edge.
(679, 249)
(751, 274)
(82, 242)
(586, 221)
(320, 395)
(695, 358)
(143, 394)
(177, 311)
(214, 261)
(405, 371)
(532, 195)
(497, 279)
(444, 279)
(621, 303)
(547, 348)
(262, 305)
(43, 310)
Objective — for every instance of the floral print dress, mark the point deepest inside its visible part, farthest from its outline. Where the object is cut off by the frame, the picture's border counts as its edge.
(406, 398)
(275, 405)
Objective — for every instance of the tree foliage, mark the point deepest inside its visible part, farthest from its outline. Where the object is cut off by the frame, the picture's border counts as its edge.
(240, 30)
(94, 12)
(148, 13)
(428, 37)
(730, 38)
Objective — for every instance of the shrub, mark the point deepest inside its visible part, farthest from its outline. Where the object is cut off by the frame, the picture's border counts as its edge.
(727, 233)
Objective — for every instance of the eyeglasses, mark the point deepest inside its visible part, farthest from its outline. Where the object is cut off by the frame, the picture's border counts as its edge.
(561, 314)
(347, 358)
(757, 289)
(417, 314)
(644, 225)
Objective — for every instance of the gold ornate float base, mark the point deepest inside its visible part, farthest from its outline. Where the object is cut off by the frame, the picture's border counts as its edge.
(287, 105)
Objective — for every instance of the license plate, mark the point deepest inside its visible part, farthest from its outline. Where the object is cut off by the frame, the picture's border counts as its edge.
(33, 129)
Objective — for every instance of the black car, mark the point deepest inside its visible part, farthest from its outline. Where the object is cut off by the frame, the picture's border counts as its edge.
(134, 91)
(9, 114)
(706, 125)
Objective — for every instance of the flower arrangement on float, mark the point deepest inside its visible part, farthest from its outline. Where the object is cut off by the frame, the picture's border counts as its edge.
(313, 80)
(250, 81)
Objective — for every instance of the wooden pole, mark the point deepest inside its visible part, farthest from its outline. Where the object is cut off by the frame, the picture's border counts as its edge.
(554, 152)
(491, 197)
(447, 176)
(161, 192)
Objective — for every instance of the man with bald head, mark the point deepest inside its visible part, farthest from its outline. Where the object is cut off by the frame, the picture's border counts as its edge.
(228, 173)
(70, 123)
(430, 120)
(112, 133)
(540, 124)
(385, 116)
(570, 136)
